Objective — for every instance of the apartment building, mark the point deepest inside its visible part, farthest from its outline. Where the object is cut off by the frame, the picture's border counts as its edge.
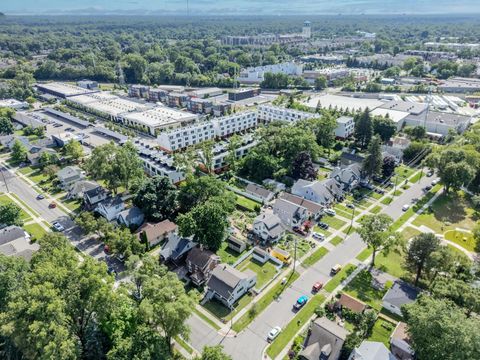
(269, 113)
(159, 163)
(181, 138)
(345, 127)
(231, 124)
(256, 75)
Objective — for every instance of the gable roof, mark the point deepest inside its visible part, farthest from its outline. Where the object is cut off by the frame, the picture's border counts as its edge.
(225, 279)
(131, 214)
(351, 303)
(372, 350)
(11, 233)
(95, 191)
(154, 230)
(111, 201)
(259, 191)
(69, 172)
(15, 242)
(199, 257)
(401, 294)
(345, 175)
(311, 206)
(287, 207)
(83, 186)
(325, 337)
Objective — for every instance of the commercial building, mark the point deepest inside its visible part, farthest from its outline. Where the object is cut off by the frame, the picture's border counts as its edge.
(339, 102)
(440, 123)
(200, 105)
(269, 113)
(176, 99)
(330, 74)
(138, 91)
(345, 127)
(156, 95)
(204, 93)
(63, 90)
(460, 85)
(255, 75)
(398, 117)
(242, 94)
(88, 84)
(13, 104)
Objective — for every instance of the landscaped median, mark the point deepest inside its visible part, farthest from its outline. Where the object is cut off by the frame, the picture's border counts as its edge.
(300, 319)
(316, 256)
(263, 303)
(339, 277)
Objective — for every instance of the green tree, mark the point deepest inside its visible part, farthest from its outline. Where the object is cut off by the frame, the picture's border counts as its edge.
(372, 164)
(214, 353)
(439, 330)
(19, 151)
(198, 190)
(415, 132)
(157, 198)
(376, 231)
(461, 293)
(321, 83)
(47, 158)
(384, 127)
(419, 252)
(73, 150)
(205, 156)
(388, 166)
(6, 126)
(302, 167)
(10, 214)
(134, 66)
(123, 243)
(363, 128)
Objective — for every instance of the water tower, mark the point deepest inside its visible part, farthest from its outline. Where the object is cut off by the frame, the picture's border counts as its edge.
(307, 30)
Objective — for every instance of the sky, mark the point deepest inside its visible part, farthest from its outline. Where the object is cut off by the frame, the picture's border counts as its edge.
(240, 7)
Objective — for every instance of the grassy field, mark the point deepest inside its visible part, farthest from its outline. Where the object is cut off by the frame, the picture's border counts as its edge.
(381, 332)
(333, 221)
(376, 209)
(248, 204)
(264, 272)
(222, 312)
(338, 278)
(462, 238)
(364, 254)
(35, 230)
(4, 200)
(416, 178)
(228, 256)
(336, 240)
(303, 246)
(361, 288)
(316, 256)
(294, 326)
(73, 205)
(391, 263)
(409, 233)
(264, 302)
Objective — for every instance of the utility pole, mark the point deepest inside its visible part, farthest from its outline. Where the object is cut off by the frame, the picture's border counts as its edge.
(4, 179)
(295, 255)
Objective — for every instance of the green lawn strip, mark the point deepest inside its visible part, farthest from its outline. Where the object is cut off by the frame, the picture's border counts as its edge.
(46, 224)
(398, 192)
(27, 170)
(322, 231)
(342, 207)
(4, 200)
(381, 332)
(361, 288)
(376, 209)
(391, 315)
(316, 256)
(222, 312)
(71, 204)
(336, 240)
(350, 230)
(24, 204)
(376, 196)
(339, 277)
(344, 214)
(183, 344)
(416, 178)
(35, 230)
(387, 201)
(333, 221)
(264, 302)
(287, 334)
(205, 318)
(365, 254)
(404, 171)
(247, 203)
(265, 272)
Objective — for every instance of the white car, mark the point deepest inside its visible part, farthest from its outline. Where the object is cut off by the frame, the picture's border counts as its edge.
(318, 236)
(330, 212)
(58, 227)
(274, 333)
(405, 207)
(435, 182)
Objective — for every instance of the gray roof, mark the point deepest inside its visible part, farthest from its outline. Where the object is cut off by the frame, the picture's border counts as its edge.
(344, 119)
(325, 340)
(225, 279)
(11, 233)
(259, 191)
(132, 215)
(175, 247)
(372, 350)
(13, 242)
(95, 191)
(83, 186)
(449, 119)
(270, 220)
(311, 206)
(401, 294)
(69, 172)
(287, 206)
(200, 257)
(407, 106)
(111, 201)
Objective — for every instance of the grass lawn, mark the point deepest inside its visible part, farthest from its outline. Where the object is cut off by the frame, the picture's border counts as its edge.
(222, 312)
(398, 192)
(183, 344)
(27, 170)
(4, 200)
(35, 230)
(321, 231)
(334, 222)
(264, 272)
(392, 263)
(350, 230)
(381, 332)
(416, 178)
(376, 209)
(404, 171)
(361, 288)
(264, 302)
(293, 326)
(409, 233)
(336, 240)
(316, 256)
(247, 204)
(228, 256)
(462, 238)
(303, 246)
(343, 208)
(364, 254)
(338, 278)
(376, 195)
(71, 204)
(205, 318)
(387, 201)
(346, 215)
(38, 177)
(448, 212)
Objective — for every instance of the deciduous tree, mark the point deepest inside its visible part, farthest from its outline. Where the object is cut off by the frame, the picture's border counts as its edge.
(419, 252)
(157, 198)
(10, 214)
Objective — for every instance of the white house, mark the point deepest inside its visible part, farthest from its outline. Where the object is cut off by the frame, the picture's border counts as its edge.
(268, 227)
(228, 285)
(69, 175)
(323, 192)
(290, 214)
(111, 207)
(345, 127)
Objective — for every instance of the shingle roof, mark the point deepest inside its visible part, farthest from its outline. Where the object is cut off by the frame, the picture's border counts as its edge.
(372, 350)
(68, 172)
(259, 191)
(351, 303)
(11, 233)
(200, 257)
(325, 336)
(154, 230)
(287, 206)
(312, 207)
(270, 220)
(225, 279)
(401, 294)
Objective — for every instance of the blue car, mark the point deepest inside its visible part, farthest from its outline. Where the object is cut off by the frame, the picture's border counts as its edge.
(301, 301)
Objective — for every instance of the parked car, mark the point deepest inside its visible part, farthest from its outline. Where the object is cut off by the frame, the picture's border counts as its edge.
(323, 225)
(301, 301)
(435, 182)
(405, 207)
(318, 236)
(317, 287)
(40, 197)
(330, 212)
(350, 206)
(274, 333)
(58, 227)
(335, 269)
(379, 191)
(428, 187)
(430, 173)
(52, 205)
(299, 231)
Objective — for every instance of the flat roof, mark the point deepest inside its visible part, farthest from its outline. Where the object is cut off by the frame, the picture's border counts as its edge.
(92, 98)
(160, 116)
(65, 89)
(10, 102)
(407, 106)
(343, 102)
(117, 106)
(394, 115)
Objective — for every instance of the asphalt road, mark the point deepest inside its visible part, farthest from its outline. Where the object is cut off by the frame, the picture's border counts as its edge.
(250, 343)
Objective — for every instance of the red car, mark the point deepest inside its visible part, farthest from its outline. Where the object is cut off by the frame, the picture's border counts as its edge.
(299, 231)
(52, 205)
(317, 287)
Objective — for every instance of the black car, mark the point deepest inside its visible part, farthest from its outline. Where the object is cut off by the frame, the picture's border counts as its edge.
(428, 187)
(323, 225)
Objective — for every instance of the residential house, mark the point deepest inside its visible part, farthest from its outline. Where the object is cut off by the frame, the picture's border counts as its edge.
(314, 210)
(349, 159)
(371, 350)
(345, 127)
(268, 227)
(155, 233)
(400, 343)
(94, 196)
(349, 302)
(323, 192)
(175, 248)
(276, 186)
(111, 207)
(324, 341)
(260, 255)
(396, 147)
(398, 295)
(78, 189)
(34, 157)
(200, 264)
(228, 285)
(14, 241)
(131, 217)
(260, 192)
(236, 244)
(290, 214)
(348, 177)
(69, 175)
